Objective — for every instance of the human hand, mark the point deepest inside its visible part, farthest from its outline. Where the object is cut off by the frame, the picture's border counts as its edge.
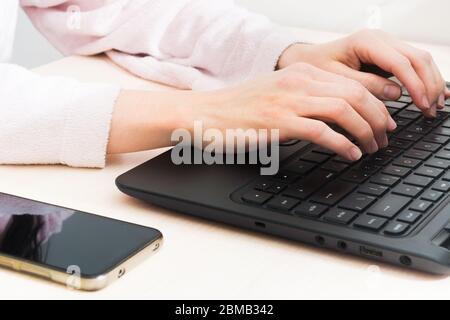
(298, 100)
(415, 68)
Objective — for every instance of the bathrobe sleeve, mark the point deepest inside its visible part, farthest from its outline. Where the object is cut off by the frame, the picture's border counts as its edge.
(190, 44)
(53, 120)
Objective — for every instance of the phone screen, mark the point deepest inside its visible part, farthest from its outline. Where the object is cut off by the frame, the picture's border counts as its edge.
(64, 239)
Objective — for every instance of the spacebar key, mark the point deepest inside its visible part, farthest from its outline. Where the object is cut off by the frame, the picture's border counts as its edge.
(333, 192)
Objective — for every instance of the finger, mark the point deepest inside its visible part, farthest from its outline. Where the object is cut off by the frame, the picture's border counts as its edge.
(442, 97)
(332, 78)
(425, 67)
(321, 134)
(380, 87)
(447, 93)
(369, 107)
(378, 52)
(340, 112)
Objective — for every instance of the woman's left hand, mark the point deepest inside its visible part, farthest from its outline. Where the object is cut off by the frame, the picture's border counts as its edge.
(415, 68)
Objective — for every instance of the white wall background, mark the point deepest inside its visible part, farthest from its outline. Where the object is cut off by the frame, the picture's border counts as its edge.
(420, 20)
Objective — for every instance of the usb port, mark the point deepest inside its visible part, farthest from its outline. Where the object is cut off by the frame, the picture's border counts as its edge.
(370, 252)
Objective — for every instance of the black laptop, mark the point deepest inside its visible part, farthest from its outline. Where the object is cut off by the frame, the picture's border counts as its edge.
(392, 206)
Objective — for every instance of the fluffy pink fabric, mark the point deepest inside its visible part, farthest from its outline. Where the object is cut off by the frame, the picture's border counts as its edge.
(198, 44)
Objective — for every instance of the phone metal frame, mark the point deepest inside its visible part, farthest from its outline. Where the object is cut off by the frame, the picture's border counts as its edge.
(85, 283)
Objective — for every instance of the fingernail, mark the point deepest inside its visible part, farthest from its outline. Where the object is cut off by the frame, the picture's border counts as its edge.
(425, 102)
(392, 92)
(355, 154)
(433, 112)
(385, 141)
(441, 101)
(373, 147)
(391, 124)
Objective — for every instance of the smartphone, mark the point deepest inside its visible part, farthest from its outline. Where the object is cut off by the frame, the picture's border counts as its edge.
(78, 249)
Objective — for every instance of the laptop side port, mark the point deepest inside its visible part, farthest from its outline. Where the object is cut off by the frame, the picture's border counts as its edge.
(371, 252)
(260, 224)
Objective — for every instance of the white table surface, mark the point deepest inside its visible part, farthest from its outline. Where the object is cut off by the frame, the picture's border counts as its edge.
(200, 259)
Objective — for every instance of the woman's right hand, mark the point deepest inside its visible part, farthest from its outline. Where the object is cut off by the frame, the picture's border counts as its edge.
(298, 101)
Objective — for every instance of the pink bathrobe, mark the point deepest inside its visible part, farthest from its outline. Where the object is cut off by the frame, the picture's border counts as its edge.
(190, 44)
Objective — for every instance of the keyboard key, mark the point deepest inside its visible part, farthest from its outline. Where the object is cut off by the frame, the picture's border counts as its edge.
(396, 171)
(446, 176)
(420, 205)
(310, 209)
(282, 203)
(373, 189)
(300, 167)
(443, 186)
(340, 159)
(409, 114)
(402, 144)
(442, 115)
(428, 171)
(370, 222)
(396, 228)
(262, 184)
(286, 177)
(395, 104)
(314, 157)
(446, 124)
(409, 216)
(355, 176)
(390, 151)
(276, 188)
(442, 131)
(438, 163)
(427, 146)
(432, 195)
(299, 192)
(392, 111)
(419, 181)
(417, 154)
(407, 190)
(443, 154)
(340, 216)
(256, 197)
(315, 180)
(357, 202)
(407, 162)
(412, 107)
(434, 138)
(389, 206)
(402, 122)
(366, 167)
(333, 192)
(405, 99)
(334, 166)
(323, 150)
(417, 128)
(384, 180)
(429, 122)
(409, 136)
(379, 159)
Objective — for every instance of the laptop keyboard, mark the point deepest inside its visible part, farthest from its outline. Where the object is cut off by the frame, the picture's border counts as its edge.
(389, 192)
